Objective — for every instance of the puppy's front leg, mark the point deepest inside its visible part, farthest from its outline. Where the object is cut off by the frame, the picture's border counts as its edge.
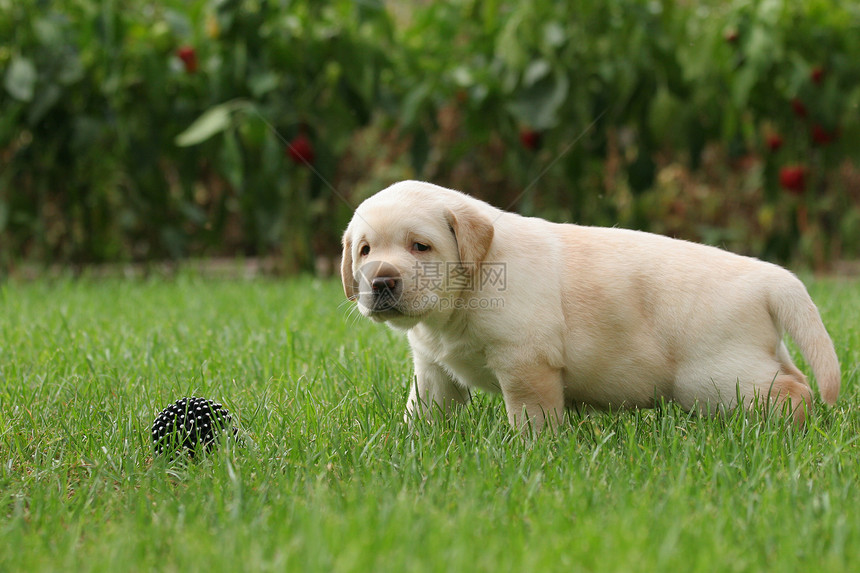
(433, 388)
(534, 396)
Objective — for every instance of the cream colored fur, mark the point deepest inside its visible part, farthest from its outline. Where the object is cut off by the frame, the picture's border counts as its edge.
(580, 316)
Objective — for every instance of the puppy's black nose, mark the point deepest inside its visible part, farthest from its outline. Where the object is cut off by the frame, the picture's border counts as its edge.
(383, 284)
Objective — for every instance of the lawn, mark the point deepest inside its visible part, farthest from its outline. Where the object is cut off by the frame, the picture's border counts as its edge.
(329, 478)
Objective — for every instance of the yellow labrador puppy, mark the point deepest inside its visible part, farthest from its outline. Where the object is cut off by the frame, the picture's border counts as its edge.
(555, 315)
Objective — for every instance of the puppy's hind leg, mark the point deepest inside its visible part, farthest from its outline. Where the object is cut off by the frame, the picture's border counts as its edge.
(752, 380)
(787, 391)
(784, 392)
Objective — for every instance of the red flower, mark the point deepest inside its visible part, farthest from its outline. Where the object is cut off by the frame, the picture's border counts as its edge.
(793, 178)
(301, 150)
(773, 141)
(188, 55)
(817, 75)
(821, 136)
(530, 139)
(799, 107)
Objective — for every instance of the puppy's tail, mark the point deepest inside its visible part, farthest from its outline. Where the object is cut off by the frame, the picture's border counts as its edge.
(794, 311)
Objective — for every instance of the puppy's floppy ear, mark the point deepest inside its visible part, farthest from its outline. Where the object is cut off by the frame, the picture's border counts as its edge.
(350, 289)
(473, 232)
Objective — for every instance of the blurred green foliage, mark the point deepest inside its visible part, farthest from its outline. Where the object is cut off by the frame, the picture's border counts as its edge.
(147, 130)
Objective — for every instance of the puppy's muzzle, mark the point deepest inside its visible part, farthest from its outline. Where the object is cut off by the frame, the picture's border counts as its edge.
(381, 286)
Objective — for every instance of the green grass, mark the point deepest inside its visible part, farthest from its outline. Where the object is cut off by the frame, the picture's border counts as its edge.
(332, 480)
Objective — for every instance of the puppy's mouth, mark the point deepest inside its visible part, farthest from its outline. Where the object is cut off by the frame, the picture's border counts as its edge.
(381, 303)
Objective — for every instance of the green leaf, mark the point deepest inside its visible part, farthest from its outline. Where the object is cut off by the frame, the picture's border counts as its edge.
(213, 121)
(554, 34)
(231, 164)
(20, 79)
(413, 103)
(261, 84)
(47, 31)
(462, 76)
(537, 105)
(536, 71)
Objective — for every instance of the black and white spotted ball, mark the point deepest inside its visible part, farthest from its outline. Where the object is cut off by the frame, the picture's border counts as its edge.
(190, 423)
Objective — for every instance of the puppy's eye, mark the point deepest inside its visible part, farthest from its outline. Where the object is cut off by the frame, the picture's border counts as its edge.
(420, 247)
(364, 251)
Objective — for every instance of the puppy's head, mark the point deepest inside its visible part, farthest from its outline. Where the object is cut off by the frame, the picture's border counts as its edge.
(409, 248)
